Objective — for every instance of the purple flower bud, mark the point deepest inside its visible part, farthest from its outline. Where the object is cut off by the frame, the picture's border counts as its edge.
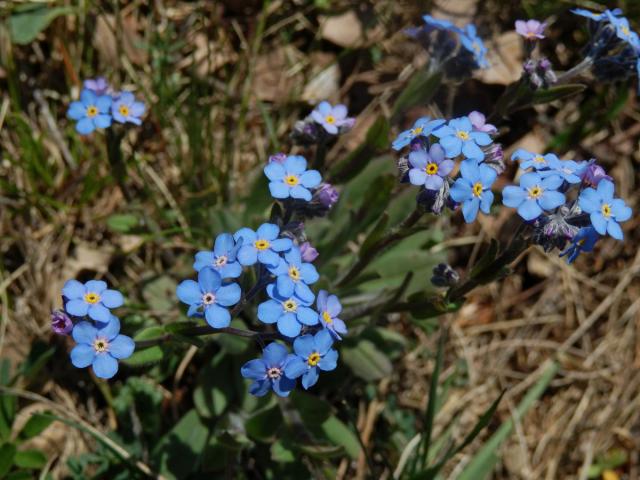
(529, 66)
(278, 158)
(99, 85)
(593, 173)
(61, 324)
(544, 64)
(308, 253)
(327, 195)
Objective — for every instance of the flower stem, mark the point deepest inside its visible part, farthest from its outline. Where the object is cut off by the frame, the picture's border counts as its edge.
(575, 71)
(200, 330)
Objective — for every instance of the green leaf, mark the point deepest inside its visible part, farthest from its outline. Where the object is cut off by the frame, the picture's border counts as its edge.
(419, 91)
(211, 396)
(375, 234)
(160, 293)
(32, 459)
(264, 424)
(282, 453)
(550, 94)
(30, 20)
(366, 361)
(7, 454)
(148, 355)
(36, 424)
(322, 451)
(122, 223)
(340, 434)
(485, 459)
(179, 452)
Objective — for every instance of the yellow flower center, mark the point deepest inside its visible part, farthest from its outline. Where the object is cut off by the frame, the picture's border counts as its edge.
(606, 210)
(416, 131)
(539, 159)
(477, 189)
(290, 305)
(261, 244)
(431, 168)
(580, 242)
(294, 273)
(330, 119)
(291, 180)
(92, 111)
(221, 261)
(625, 31)
(313, 359)
(326, 317)
(124, 110)
(208, 298)
(91, 297)
(462, 135)
(531, 34)
(100, 345)
(535, 192)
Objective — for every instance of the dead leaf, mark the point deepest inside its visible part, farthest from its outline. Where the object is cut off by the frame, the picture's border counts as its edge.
(344, 30)
(322, 86)
(271, 81)
(505, 59)
(104, 40)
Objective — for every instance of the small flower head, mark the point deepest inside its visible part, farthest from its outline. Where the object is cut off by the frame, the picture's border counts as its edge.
(591, 173)
(268, 372)
(289, 313)
(534, 195)
(473, 43)
(331, 118)
(423, 127)
(91, 112)
(292, 179)
(535, 160)
(99, 85)
(262, 245)
(125, 109)
(93, 299)
(222, 258)
(61, 324)
(472, 189)
(278, 158)
(429, 169)
(209, 297)
(596, 17)
(568, 170)
(327, 195)
(623, 30)
(479, 123)
(312, 354)
(329, 308)
(309, 254)
(100, 347)
(531, 30)
(294, 276)
(583, 241)
(604, 210)
(459, 136)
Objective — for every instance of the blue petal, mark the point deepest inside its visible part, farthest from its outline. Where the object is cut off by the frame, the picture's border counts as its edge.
(486, 201)
(269, 311)
(281, 244)
(96, 286)
(513, 196)
(102, 121)
(307, 316)
(268, 231)
(85, 126)
(551, 199)
(105, 366)
(481, 138)
(461, 190)
(295, 367)
(247, 255)
(76, 111)
(599, 222)
(274, 171)
(254, 369)
(228, 295)
(614, 230)
(112, 299)
(487, 175)
(620, 211)
(310, 178)
(295, 164)
(605, 189)
(310, 378)
(99, 313)
(329, 361)
(288, 325)
(333, 306)
(203, 259)
(529, 209)
(209, 280)
(471, 150)
(247, 235)
(462, 123)
(282, 386)
(121, 347)
(285, 285)
(304, 346)
(470, 209)
(77, 308)
(275, 354)
(551, 182)
(419, 159)
(470, 170)
(73, 289)
(452, 146)
(223, 244)
(293, 256)
(82, 355)
(87, 97)
(308, 273)
(304, 293)
(444, 131)
(110, 329)
(530, 179)
(189, 292)
(322, 341)
(279, 190)
(301, 193)
(216, 316)
(103, 103)
(259, 388)
(589, 200)
(268, 257)
(231, 270)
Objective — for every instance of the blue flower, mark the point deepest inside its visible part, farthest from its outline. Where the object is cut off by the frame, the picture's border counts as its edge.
(583, 241)
(262, 246)
(439, 24)
(329, 308)
(595, 16)
(535, 160)
(472, 189)
(421, 128)
(209, 297)
(429, 169)
(568, 170)
(293, 275)
(312, 353)
(291, 179)
(91, 112)
(267, 372)
(459, 137)
(331, 118)
(473, 43)
(93, 299)
(100, 347)
(534, 195)
(290, 313)
(126, 109)
(604, 210)
(623, 31)
(222, 258)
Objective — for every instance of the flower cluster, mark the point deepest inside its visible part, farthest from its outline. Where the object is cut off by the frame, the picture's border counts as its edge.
(454, 50)
(435, 145)
(565, 200)
(96, 331)
(99, 106)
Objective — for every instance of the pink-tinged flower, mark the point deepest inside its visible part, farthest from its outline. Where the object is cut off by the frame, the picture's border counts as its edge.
(278, 158)
(478, 121)
(99, 85)
(331, 118)
(308, 253)
(327, 195)
(61, 324)
(591, 173)
(530, 29)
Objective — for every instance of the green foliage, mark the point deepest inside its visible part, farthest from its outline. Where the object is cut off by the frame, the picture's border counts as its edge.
(27, 21)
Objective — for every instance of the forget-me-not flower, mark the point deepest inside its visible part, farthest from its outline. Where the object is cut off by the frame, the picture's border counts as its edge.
(595, 16)
(329, 308)
(472, 189)
(289, 313)
(291, 178)
(429, 169)
(91, 112)
(530, 29)
(479, 122)
(623, 30)
(99, 85)
(93, 299)
(208, 297)
(535, 160)
(568, 170)
(61, 324)
(604, 210)
(534, 195)
(473, 43)
(439, 23)
(312, 354)
(331, 117)
(100, 347)
(268, 373)
(583, 241)
(458, 136)
(262, 245)
(421, 128)
(294, 276)
(125, 108)
(222, 258)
